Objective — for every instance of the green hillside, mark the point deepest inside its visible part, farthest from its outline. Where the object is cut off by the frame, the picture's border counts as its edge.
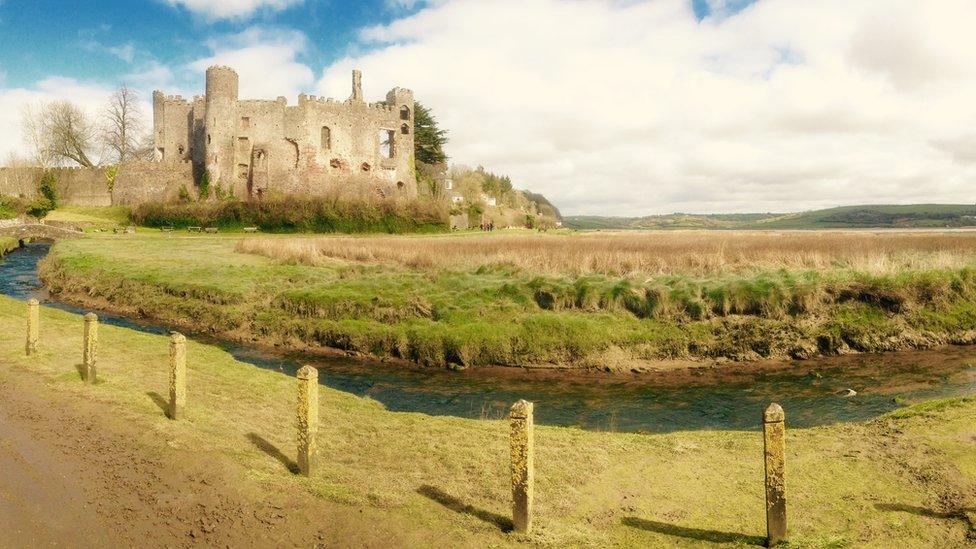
(845, 217)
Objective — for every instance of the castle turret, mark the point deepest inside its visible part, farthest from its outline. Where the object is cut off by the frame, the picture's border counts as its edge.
(159, 137)
(400, 100)
(357, 86)
(221, 114)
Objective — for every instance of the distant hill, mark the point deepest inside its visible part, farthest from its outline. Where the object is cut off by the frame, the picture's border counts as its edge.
(845, 217)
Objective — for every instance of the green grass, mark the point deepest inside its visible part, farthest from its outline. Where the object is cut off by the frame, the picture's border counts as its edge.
(501, 315)
(111, 215)
(892, 482)
(8, 245)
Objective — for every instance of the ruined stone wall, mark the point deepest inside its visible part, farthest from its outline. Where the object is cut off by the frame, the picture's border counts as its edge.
(144, 181)
(76, 186)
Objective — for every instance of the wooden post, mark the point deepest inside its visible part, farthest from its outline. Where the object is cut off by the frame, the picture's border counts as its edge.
(308, 418)
(91, 347)
(774, 437)
(523, 475)
(33, 316)
(177, 376)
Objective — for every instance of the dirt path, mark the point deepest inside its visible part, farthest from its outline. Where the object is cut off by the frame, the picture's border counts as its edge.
(76, 474)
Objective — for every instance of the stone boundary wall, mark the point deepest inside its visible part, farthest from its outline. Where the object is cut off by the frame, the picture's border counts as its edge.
(135, 182)
(76, 186)
(145, 181)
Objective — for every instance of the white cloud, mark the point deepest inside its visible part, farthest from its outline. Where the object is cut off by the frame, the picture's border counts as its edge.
(153, 75)
(213, 10)
(635, 107)
(125, 52)
(265, 60)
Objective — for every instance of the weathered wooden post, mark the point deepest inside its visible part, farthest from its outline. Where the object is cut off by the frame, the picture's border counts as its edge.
(33, 316)
(523, 475)
(177, 376)
(308, 418)
(91, 347)
(774, 437)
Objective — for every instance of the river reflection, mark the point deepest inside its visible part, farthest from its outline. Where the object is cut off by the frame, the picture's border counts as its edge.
(726, 397)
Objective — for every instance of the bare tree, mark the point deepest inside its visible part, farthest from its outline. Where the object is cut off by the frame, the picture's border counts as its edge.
(123, 124)
(59, 132)
(33, 134)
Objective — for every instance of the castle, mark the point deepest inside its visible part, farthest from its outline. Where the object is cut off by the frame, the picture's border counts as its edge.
(253, 148)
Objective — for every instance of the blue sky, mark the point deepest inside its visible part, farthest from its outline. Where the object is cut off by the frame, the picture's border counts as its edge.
(101, 39)
(625, 107)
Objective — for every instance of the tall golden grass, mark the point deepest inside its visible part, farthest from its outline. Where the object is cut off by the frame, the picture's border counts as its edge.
(696, 253)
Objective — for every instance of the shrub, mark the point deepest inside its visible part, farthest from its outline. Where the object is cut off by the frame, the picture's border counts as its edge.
(40, 206)
(205, 185)
(299, 214)
(11, 207)
(49, 188)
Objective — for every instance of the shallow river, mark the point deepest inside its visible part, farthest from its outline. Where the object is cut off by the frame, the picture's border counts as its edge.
(728, 397)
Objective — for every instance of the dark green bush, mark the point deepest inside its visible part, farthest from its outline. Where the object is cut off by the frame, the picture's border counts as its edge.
(299, 214)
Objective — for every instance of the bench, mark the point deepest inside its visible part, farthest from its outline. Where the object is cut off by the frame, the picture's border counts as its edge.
(211, 230)
(194, 229)
(250, 229)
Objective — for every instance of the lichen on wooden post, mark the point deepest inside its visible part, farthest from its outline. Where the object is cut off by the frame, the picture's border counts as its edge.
(774, 437)
(308, 418)
(89, 357)
(33, 319)
(177, 376)
(523, 475)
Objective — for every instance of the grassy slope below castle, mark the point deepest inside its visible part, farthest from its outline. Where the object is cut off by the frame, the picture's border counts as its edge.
(845, 217)
(606, 301)
(905, 480)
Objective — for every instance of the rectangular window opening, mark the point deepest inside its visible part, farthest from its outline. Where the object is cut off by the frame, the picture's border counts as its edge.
(326, 139)
(387, 143)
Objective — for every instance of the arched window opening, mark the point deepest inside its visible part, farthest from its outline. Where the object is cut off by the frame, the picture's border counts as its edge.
(405, 129)
(404, 113)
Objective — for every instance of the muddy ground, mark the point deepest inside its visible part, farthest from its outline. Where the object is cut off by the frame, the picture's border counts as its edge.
(75, 473)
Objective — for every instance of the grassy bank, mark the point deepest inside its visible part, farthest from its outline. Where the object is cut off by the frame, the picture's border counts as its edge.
(299, 214)
(905, 480)
(8, 245)
(377, 296)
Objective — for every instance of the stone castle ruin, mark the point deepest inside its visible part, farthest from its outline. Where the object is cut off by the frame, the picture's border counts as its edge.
(261, 146)
(254, 148)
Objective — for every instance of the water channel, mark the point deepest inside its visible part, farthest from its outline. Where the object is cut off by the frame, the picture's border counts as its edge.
(729, 396)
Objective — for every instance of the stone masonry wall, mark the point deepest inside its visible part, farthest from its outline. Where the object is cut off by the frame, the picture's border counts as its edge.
(76, 186)
(144, 181)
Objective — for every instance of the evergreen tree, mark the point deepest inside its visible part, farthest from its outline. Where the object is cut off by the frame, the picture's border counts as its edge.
(428, 139)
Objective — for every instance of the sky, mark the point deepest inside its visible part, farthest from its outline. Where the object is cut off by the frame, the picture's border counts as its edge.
(608, 107)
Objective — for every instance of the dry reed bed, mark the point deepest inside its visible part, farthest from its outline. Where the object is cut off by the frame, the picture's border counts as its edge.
(690, 253)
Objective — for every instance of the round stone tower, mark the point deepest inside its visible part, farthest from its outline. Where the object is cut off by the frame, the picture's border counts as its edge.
(221, 109)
